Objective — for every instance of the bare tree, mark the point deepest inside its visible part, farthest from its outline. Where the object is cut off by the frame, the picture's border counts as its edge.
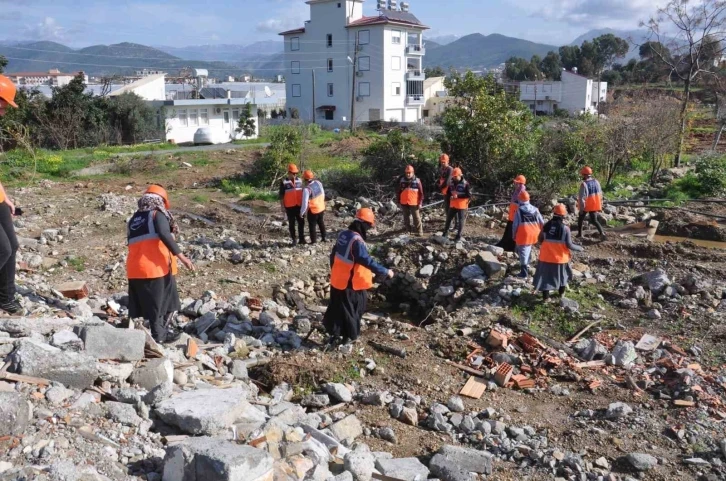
(697, 30)
(107, 83)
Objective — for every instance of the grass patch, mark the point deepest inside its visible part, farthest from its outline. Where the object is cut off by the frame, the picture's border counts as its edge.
(269, 267)
(77, 263)
(201, 198)
(247, 191)
(351, 373)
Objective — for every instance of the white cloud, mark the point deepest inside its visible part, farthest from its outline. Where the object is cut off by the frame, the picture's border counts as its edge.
(292, 15)
(46, 29)
(591, 13)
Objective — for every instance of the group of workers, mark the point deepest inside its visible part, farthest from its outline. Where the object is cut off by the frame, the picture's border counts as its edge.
(301, 197)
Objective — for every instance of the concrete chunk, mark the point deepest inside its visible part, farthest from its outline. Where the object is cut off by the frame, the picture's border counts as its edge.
(153, 373)
(407, 469)
(72, 369)
(208, 411)
(466, 460)
(108, 342)
(347, 429)
(15, 412)
(212, 459)
(122, 413)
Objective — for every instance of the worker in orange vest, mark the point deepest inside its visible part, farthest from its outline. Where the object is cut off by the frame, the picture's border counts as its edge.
(553, 269)
(151, 263)
(291, 194)
(527, 226)
(442, 184)
(8, 239)
(589, 201)
(313, 204)
(507, 243)
(459, 194)
(410, 197)
(351, 275)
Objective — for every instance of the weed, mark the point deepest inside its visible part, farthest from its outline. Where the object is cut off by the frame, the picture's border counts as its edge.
(351, 373)
(248, 192)
(269, 267)
(77, 263)
(201, 198)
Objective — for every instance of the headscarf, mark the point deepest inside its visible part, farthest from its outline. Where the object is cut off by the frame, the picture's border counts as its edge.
(152, 202)
(360, 227)
(518, 188)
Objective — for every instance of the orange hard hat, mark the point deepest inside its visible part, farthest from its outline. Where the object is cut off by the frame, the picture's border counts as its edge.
(457, 172)
(366, 215)
(520, 179)
(524, 196)
(292, 169)
(586, 171)
(7, 91)
(444, 158)
(308, 175)
(560, 210)
(409, 168)
(161, 192)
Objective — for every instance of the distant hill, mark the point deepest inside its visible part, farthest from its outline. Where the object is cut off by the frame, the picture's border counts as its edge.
(444, 39)
(225, 52)
(479, 51)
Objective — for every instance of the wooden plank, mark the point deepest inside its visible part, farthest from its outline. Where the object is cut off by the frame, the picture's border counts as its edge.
(474, 388)
(583, 331)
(466, 369)
(331, 409)
(8, 376)
(684, 404)
(588, 364)
(383, 477)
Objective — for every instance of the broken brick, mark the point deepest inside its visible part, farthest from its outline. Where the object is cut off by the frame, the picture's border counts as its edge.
(503, 374)
(497, 339)
(192, 348)
(74, 289)
(529, 343)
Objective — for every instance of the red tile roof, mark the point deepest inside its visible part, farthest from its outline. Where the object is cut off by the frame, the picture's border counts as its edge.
(383, 19)
(290, 32)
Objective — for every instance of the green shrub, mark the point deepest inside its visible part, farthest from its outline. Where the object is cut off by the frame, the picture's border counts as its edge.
(711, 174)
(285, 147)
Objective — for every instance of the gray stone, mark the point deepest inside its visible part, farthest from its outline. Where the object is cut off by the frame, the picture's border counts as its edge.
(108, 342)
(387, 434)
(159, 393)
(209, 411)
(472, 271)
(153, 373)
(437, 422)
(15, 412)
(128, 395)
(642, 462)
(656, 281)
(213, 459)
(344, 476)
(407, 469)
(377, 398)
(66, 340)
(470, 460)
(122, 413)
(71, 369)
(654, 314)
(697, 462)
(590, 349)
(58, 394)
(618, 410)
(347, 429)
(569, 305)
(497, 251)
(67, 470)
(268, 318)
(624, 353)
(338, 392)
(409, 416)
(302, 325)
(437, 408)
(722, 445)
(360, 464)
(239, 370)
(426, 271)
(180, 378)
(315, 401)
(447, 470)
(456, 404)
(491, 265)
(115, 373)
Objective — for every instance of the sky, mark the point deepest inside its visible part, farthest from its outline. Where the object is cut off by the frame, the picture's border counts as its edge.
(80, 23)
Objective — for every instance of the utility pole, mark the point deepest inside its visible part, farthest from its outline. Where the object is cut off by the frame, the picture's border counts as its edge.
(313, 72)
(535, 100)
(352, 95)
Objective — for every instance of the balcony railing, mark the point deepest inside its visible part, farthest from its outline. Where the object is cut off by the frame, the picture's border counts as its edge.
(415, 74)
(416, 49)
(415, 100)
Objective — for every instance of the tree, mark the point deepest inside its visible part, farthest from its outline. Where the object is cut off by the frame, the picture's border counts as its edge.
(607, 48)
(570, 56)
(517, 68)
(434, 72)
(3, 63)
(698, 32)
(130, 119)
(551, 66)
(247, 125)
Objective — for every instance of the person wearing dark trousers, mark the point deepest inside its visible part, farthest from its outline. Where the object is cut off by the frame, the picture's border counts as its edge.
(410, 197)
(460, 195)
(589, 201)
(291, 200)
(507, 242)
(313, 204)
(442, 184)
(8, 240)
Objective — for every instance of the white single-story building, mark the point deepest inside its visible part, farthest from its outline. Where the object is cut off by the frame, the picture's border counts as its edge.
(152, 87)
(574, 93)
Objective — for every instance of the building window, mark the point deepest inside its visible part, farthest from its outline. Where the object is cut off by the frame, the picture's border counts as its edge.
(329, 40)
(338, 4)
(330, 90)
(183, 121)
(295, 43)
(235, 115)
(329, 115)
(395, 63)
(193, 119)
(540, 102)
(364, 37)
(364, 64)
(396, 37)
(364, 89)
(204, 116)
(554, 106)
(330, 65)
(295, 67)
(396, 88)
(296, 90)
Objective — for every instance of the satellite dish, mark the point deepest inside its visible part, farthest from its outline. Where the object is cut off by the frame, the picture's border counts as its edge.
(268, 92)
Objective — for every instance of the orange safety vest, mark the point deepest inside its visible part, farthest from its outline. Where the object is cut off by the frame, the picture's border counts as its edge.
(593, 200)
(2, 197)
(409, 191)
(528, 229)
(345, 272)
(148, 257)
(554, 250)
(444, 174)
(316, 200)
(512, 211)
(293, 192)
(460, 189)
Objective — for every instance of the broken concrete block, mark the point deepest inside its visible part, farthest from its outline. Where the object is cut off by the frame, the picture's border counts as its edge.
(153, 373)
(212, 459)
(15, 411)
(491, 265)
(451, 461)
(406, 469)
(114, 373)
(347, 429)
(361, 464)
(76, 370)
(338, 392)
(209, 411)
(122, 413)
(58, 393)
(108, 342)
(67, 340)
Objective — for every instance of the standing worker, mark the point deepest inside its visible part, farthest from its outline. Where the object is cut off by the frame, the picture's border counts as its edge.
(526, 228)
(291, 200)
(445, 172)
(8, 240)
(150, 265)
(507, 243)
(313, 203)
(351, 275)
(459, 196)
(589, 201)
(410, 196)
(553, 269)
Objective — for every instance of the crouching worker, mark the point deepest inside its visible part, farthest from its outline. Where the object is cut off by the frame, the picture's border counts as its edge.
(553, 270)
(351, 275)
(151, 264)
(526, 228)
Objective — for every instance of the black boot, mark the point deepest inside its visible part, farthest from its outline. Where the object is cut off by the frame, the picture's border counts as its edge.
(11, 307)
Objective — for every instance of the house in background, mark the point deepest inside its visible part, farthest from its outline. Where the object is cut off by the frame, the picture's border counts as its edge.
(151, 87)
(436, 97)
(53, 78)
(574, 93)
(387, 81)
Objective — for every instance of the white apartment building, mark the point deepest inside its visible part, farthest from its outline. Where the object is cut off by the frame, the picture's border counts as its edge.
(574, 93)
(387, 82)
(53, 77)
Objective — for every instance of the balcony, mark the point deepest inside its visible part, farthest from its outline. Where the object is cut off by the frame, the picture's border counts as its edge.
(416, 49)
(415, 75)
(415, 100)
